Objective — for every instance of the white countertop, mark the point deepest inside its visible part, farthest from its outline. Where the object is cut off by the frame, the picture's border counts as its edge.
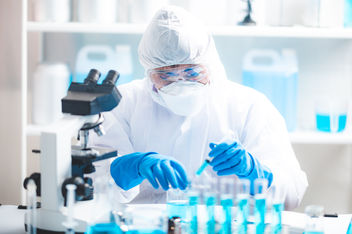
(12, 221)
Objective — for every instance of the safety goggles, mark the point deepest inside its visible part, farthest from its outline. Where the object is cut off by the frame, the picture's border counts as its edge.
(187, 72)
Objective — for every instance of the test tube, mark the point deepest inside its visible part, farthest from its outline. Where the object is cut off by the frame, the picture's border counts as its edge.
(229, 138)
(70, 223)
(242, 189)
(31, 207)
(210, 202)
(226, 201)
(260, 189)
(193, 201)
(278, 197)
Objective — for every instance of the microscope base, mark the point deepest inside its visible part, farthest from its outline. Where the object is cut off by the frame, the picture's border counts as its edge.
(49, 221)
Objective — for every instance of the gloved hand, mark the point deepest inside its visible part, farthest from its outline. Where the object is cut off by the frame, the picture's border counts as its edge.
(130, 170)
(232, 158)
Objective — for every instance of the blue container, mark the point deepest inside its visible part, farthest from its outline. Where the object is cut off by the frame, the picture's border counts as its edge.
(103, 58)
(348, 13)
(276, 76)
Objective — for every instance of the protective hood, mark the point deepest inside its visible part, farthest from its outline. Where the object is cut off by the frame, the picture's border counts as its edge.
(174, 36)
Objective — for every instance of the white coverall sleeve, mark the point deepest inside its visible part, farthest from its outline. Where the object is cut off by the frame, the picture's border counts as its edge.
(116, 137)
(265, 136)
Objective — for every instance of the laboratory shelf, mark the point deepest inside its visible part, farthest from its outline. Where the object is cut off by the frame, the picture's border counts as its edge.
(226, 30)
(299, 137)
(76, 27)
(315, 137)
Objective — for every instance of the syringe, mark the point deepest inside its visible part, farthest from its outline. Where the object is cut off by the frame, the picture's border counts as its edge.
(229, 139)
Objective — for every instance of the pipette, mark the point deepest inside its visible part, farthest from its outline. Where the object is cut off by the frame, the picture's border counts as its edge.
(70, 223)
(229, 139)
(31, 207)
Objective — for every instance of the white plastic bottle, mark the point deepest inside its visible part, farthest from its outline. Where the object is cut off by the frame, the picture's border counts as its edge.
(50, 84)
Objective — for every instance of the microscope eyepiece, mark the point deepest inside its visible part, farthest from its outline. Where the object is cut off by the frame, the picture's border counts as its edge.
(111, 78)
(93, 76)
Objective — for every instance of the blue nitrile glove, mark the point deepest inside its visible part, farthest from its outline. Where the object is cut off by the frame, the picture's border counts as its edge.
(130, 170)
(232, 158)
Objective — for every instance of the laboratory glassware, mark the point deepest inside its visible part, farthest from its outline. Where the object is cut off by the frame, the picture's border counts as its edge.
(315, 224)
(260, 189)
(331, 114)
(210, 201)
(229, 138)
(227, 187)
(109, 219)
(143, 219)
(193, 201)
(176, 203)
(242, 201)
(277, 198)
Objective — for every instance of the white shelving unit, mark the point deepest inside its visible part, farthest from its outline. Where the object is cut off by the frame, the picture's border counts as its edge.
(315, 137)
(299, 137)
(234, 31)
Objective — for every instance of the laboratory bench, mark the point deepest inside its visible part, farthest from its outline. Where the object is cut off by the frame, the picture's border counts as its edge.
(12, 221)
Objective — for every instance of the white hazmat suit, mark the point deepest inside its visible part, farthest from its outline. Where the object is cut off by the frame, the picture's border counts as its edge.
(140, 124)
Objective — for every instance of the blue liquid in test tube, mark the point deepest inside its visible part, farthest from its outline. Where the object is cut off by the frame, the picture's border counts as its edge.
(260, 188)
(242, 213)
(276, 227)
(210, 206)
(227, 203)
(259, 213)
(193, 202)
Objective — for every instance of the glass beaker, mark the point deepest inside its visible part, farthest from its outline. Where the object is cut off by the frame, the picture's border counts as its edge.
(315, 224)
(331, 115)
(176, 203)
(141, 219)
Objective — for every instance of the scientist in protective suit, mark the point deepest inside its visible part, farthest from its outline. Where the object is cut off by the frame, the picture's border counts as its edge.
(167, 123)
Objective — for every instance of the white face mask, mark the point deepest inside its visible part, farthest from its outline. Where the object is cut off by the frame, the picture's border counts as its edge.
(183, 98)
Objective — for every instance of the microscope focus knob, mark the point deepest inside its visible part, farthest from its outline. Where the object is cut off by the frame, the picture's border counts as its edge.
(36, 178)
(84, 190)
